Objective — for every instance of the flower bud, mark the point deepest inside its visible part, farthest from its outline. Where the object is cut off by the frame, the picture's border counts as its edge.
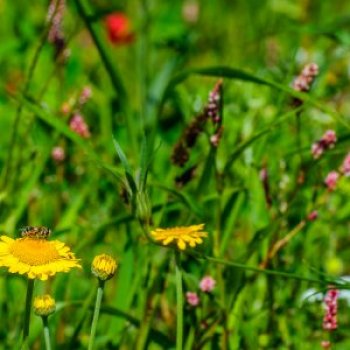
(44, 305)
(104, 267)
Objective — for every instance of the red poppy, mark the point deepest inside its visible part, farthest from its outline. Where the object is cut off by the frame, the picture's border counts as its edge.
(119, 29)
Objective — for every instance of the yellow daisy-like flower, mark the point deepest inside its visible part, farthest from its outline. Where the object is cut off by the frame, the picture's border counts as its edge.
(44, 305)
(191, 235)
(37, 257)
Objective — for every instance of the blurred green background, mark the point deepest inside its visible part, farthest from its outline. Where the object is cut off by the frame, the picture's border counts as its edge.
(150, 87)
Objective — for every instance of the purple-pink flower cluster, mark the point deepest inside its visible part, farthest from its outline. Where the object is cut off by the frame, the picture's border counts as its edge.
(330, 318)
(331, 180)
(304, 80)
(206, 285)
(326, 142)
(213, 106)
(192, 298)
(85, 95)
(79, 126)
(345, 168)
(313, 215)
(58, 154)
(55, 17)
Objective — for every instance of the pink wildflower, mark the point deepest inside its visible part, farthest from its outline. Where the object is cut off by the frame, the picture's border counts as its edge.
(55, 36)
(79, 126)
(192, 298)
(58, 154)
(207, 284)
(317, 150)
(304, 80)
(346, 165)
(329, 138)
(330, 318)
(213, 106)
(327, 141)
(190, 11)
(331, 180)
(66, 108)
(55, 14)
(85, 95)
(326, 344)
(215, 139)
(313, 215)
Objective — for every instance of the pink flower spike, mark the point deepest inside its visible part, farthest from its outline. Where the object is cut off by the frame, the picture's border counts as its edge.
(329, 138)
(317, 150)
(331, 180)
(313, 215)
(331, 303)
(192, 298)
(346, 165)
(58, 154)
(85, 95)
(326, 344)
(207, 284)
(304, 80)
(79, 126)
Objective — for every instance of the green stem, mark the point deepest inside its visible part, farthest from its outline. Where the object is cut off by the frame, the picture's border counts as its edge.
(179, 302)
(28, 307)
(46, 333)
(96, 313)
(268, 271)
(106, 58)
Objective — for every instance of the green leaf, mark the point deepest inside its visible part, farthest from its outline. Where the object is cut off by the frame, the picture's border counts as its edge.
(126, 166)
(185, 199)
(239, 74)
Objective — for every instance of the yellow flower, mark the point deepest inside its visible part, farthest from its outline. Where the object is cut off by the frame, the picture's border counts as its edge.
(44, 305)
(36, 256)
(191, 235)
(103, 267)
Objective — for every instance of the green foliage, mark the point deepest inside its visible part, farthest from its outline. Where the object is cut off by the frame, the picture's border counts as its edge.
(120, 182)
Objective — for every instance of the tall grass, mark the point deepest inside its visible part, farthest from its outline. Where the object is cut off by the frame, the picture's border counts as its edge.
(114, 187)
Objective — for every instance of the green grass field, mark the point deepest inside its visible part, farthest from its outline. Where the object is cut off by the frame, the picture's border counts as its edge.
(107, 134)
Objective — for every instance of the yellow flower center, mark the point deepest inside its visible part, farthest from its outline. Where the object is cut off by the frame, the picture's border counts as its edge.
(34, 251)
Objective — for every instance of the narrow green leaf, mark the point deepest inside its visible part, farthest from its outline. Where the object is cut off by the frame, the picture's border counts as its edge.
(185, 199)
(126, 166)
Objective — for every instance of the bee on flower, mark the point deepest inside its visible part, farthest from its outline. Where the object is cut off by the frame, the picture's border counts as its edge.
(34, 255)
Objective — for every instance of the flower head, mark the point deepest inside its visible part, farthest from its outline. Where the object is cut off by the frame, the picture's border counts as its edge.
(192, 298)
(104, 267)
(183, 235)
(35, 256)
(207, 284)
(85, 95)
(345, 168)
(313, 215)
(190, 11)
(79, 126)
(326, 344)
(330, 318)
(119, 28)
(317, 149)
(305, 79)
(58, 154)
(331, 180)
(329, 138)
(44, 305)
(327, 141)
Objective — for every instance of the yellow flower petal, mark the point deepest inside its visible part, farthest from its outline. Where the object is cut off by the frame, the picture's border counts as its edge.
(180, 235)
